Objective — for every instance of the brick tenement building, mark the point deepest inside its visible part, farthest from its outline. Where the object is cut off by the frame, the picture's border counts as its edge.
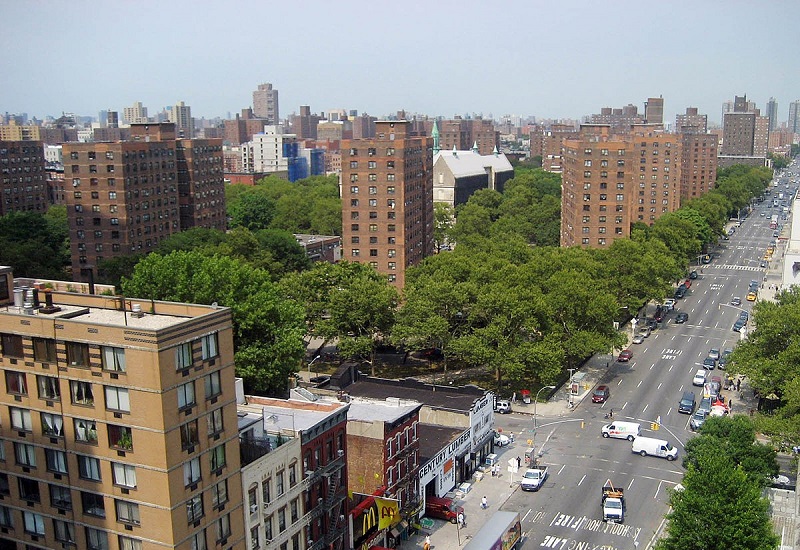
(120, 428)
(698, 164)
(23, 180)
(387, 199)
(201, 184)
(611, 182)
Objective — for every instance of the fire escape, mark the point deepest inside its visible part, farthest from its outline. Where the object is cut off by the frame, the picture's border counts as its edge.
(333, 504)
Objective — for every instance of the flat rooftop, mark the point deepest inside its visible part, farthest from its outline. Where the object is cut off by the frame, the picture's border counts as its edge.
(102, 316)
(446, 397)
(388, 410)
(433, 439)
(287, 414)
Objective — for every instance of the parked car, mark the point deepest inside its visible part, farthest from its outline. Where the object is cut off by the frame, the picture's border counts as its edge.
(713, 353)
(501, 440)
(744, 316)
(601, 394)
(669, 304)
(697, 420)
(705, 405)
(709, 363)
(699, 378)
(504, 406)
(693, 274)
(681, 317)
(638, 339)
(687, 283)
(625, 356)
(644, 332)
(737, 326)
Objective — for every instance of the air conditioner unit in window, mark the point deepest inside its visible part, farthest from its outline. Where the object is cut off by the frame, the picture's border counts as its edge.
(253, 508)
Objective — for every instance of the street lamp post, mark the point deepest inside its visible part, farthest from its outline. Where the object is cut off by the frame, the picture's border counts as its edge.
(537, 400)
(311, 363)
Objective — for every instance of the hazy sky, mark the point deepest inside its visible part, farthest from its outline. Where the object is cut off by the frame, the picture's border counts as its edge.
(549, 59)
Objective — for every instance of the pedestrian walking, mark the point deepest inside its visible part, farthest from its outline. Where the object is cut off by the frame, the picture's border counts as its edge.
(611, 413)
(730, 406)
(461, 520)
(738, 384)
(519, 462)
(492, 469)
(484, 503)
(427, 545)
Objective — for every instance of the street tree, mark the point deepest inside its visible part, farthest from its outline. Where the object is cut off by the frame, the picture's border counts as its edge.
(268, 327)
(719, 507)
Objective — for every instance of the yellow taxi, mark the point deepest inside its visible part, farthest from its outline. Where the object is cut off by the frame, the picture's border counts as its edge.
(751, 296)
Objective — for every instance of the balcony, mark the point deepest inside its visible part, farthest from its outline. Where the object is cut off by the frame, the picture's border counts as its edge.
(251, 448)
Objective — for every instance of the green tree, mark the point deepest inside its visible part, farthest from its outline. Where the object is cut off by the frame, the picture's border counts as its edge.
(734, 437)
(35, 244)
(719, 507)
(253, 209)
(268, 328)
(444, 217)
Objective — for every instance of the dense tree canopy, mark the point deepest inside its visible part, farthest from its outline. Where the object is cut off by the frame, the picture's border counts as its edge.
(35, 245)
(268, 328)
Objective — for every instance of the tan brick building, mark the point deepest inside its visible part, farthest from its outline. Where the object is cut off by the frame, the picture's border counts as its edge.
(120, 425)
(387, 199)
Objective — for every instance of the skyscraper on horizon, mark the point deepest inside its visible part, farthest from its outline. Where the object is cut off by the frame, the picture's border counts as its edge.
(265, 103)
(794, 116)
(772, 113)
(181, 115)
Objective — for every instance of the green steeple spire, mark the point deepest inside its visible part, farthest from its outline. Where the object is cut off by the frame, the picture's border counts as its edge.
(435, 136)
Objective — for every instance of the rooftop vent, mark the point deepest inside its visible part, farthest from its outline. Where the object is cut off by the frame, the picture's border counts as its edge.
(136, 311)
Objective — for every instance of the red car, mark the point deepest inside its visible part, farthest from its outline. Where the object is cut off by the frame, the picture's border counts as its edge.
(687, 283)
(601, 394)
(625, 356)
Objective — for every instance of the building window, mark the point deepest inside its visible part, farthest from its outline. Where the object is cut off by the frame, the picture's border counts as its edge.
(353, 227)
(390, 151)
(89, 468)
(183, 356)
(117, 399)
(373, 177)
(354, 189)
(279, 482)
(60, 497)
(198, 541)
(127, 543)
(11, 345)
(16, 383)
(85, 430)
(34, 523)
(186, 396)
(25, 454)
(354, 215)
(219, 493)
(254, 540)
(265, 490)
(96, 539)
(209, 346)
(215, 422)
(213, 385)
(392, 266)
(191, 471)
(124, 474)
(194, 509)
(390, 177)
(620, 197)
(355, 252)
(21, 419)
(587, 162)
(353, 164)
(353, 177)
(113, 358)
(223, 526)
(373, 190)
(282, 520)
(294, 510)
(217, 457)
(189, 435)
(120, 437)
(78, 354)
(390, 227)
(373, 227)
(52, 425)
(355, 240)
(127, 512)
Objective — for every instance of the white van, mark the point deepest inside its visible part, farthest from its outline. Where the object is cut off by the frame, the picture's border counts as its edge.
(654, 447)
(622, 430)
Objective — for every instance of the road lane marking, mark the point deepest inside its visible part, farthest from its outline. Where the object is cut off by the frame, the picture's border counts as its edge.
(645, 408)
(581, 481)
(630, 485)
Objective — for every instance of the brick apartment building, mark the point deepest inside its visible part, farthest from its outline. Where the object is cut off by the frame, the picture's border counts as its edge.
(611, 181)
(463, 134)
(126, 197)
(120, 427)
(387, 199)
(23, 179)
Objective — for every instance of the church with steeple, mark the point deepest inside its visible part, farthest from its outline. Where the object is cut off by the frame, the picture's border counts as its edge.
(458, 174)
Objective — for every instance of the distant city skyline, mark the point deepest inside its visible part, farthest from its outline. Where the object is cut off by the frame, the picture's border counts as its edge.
(538, 59)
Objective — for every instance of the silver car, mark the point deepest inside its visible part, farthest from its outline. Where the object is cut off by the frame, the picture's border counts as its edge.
(697, 419)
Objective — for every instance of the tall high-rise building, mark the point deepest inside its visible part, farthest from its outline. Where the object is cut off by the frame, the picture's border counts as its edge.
(794, 116)
(691, 122)
(125, 197)
(611, 181)
(181, 115)
(267, 152)
(745, 135)
(304, 125)
(135, 114)
(120, 423)
(698, 168)
(464, 133)
(265, 103)
(772, 114)
(654, 110)
(387, 199)
(23, 179)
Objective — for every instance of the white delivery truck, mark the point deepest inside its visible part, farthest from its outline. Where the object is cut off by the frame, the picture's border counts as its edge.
(622, 430)
(654, 447)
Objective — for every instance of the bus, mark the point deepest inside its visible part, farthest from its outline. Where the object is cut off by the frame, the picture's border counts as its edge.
(501, 532)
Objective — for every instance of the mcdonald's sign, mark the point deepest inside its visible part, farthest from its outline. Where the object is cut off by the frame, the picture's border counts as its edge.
(365, 524)
(389, 512)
